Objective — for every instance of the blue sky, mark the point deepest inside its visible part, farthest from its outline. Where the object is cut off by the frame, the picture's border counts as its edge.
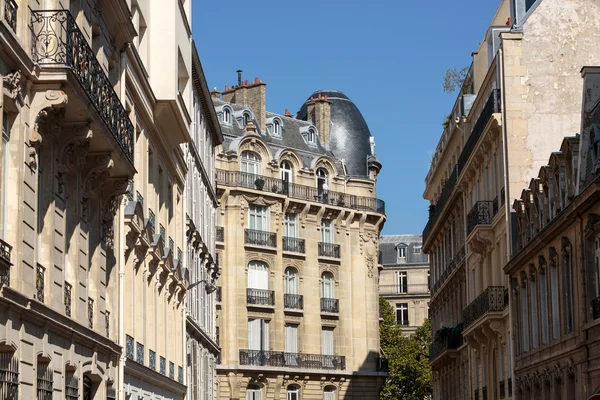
(388, 56)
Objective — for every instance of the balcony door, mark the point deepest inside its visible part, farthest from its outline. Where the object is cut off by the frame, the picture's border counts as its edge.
(250, 168)
(258, 338)
(401, 282)
(286, 175)
(290, 225)
(327, 286)
(258, 276)
(327, 347)
(326, 231)
(290, 283)
(258, 219)
(291, 338)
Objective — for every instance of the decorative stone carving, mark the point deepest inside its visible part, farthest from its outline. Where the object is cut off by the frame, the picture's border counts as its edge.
(12, 86)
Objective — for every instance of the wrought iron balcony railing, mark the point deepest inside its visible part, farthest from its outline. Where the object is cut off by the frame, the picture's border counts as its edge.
(480, 214)
(220, 234)
(260, 297)
(382, 364)
(450, 341)
(458, 257)
(67, 299)
(403, 322)
(492, 105)
(416, 288)
(330, 250)
(302, 192)
(5, 250)
(219, 294)
(10, 14)
(260, 238)
(291, 360)
(39, 282)
(293, 301)
(152, 220)
(331, 306)
(493, 298)
(152, 360)
(129, 344)
(57, 40)
(294, 245)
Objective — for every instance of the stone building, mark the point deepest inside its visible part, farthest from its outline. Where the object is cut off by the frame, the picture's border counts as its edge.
(299, 222)
(555, 273)
(201, 213)
(521, 94)
(404, 279)
(92, 186)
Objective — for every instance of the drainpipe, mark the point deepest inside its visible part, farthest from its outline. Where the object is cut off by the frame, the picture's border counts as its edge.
(121, 247)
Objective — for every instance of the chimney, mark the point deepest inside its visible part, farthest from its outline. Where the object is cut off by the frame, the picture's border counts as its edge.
(250, 94)
(319, 113)
(215, 94)
(239, 72)
(288, 113)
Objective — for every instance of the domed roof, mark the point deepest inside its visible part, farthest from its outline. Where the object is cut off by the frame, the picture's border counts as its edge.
(350, 135)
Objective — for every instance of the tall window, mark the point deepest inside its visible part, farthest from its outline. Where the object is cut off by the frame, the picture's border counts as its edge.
(290, 284)
(554, 293)
(293, 393)
(327, 286)
(250, 168)
(401, 252)
(327, 345)
(568, 285)
(596, 276)
(534, 312)
(258, 275)
(290, 225)
(402, 314)
(258, 335)
(286, 171)
(311, 136)
(258, 218)
(329, 393)
(544, 305)
(4, 170)
(246, 119)
(45, 381)
(402, 282)
(327, 231)
(226, 116)
(525, 317)
(291, 338)
(322, 182)
(276, 128)
(253, 392)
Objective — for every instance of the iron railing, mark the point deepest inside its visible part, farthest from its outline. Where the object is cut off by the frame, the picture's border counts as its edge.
(416, 288)
(260, 297)
(450, 341)
(139, 198)
(403, 322)
(39, 283)
(45, 381)
(57, 40)
(492, 106)
(330, 305)
(163, 365)
(171, 370)
(493, 298)
(10, 14)
(9, 376)
(152, 221)
(129, 344)
(139, 353)
(458, 257)
(480, 214)
(294, 245)
(260, 238)
(291, 360)
(68, 288)
(71, 386)
(152, 360)
(302, 192)
(91, 313)
(220, 234)
(596, 308)
(293, 301)
(330, 250)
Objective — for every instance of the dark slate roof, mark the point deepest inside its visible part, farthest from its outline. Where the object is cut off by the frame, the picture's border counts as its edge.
(388, 245)
(290, 138)
(350, 135)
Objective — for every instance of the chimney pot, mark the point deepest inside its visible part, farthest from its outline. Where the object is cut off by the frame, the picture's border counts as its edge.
(239, 72)
(287, 112)
(226, 88)
(256, 80)
(246, 84)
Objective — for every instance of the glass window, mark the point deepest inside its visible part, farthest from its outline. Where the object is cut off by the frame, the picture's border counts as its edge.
(327, 285)
(258, 218)
(329, 393)
(258, 275)
(253, 392)
(402, 282)
(276, 128)
(401, 253)
(286, 171)
(418, 249)
(290, 225)
(258, 335)
(327, 231)
(322, 183)
(226, 116)
(290, 284)
(402, 314)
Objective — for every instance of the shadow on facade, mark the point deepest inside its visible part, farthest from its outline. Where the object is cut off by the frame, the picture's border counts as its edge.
(366, 382)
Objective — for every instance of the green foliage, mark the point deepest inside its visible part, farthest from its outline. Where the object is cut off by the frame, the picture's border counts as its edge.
(453, 79)
(408, 358)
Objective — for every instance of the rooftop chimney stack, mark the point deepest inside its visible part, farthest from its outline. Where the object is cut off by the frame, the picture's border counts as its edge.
(319, 113)
(239, 72)
(251, 94)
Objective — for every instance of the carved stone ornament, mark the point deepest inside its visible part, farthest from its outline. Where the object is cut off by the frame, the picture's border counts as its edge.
(370, 261)
(592, 222)
(532, 272)
(542, 263)
(12, 86)
(565, 244)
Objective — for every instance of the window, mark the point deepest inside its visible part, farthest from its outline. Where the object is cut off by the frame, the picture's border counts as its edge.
(71, 385)
(327, 345)
(45, 381)
(327, 285)
(290, 283)
(258, 275)
(246, 119)
(327, 231)
(258, 218)
(402, 314)
(568, 285)
(310, 136)
(534, 312)
(417, 249)
(250, 168)
(322, 184)
(525, 316)
(290, 225)
(329, 393)
(226, 116)
(9, 380)
(4, 156)
(544, 305)
(554, 293)
(258, 337)
(286, 174)
(293, 393)
(291, 339)
(253, 392)
(276, 128)
(401, 282)
(401, 251)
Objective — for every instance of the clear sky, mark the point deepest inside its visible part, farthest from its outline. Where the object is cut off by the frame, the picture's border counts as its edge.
(388, 56)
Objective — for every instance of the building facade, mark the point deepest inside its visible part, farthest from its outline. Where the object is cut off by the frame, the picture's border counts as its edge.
(299, 225)
(511, 111)
(555, 273)
(404, 279)
(201, 213)
(93, 216)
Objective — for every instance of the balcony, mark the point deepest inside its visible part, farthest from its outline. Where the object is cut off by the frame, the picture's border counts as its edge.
(480, 214)
(493, 299)
(293, 245)
(260, 238)
(58, 42)
(329, 250)
(450, 341)
(220, 234)
(293, 302)
(260, 297)
(407, 289)
(330, 306)
(5, 250)
(492, 106)
(458, 257)
(291, 360)
(302, 192)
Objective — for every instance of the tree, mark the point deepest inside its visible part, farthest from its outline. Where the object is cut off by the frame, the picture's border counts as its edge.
(454, 79)
(408, 358)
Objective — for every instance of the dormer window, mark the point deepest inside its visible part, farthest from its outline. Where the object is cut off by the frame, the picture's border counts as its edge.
(310, 136)
(401, 253)
(226, 116)
(276, 128)
(246, 119)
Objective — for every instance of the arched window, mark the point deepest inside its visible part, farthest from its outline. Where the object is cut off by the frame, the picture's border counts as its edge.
(286, 172)
(258, 275)
(327, 285)
(276, 128)
(290, 284)
(322, 183)
(9, 365)
(293, 392)
(226, 116)
(246, 119)
(329, 393)
(311, 136)
(253, 392)
(250, 168)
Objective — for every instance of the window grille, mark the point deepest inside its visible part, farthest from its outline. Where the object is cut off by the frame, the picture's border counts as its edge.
(9, 376)
(44, 381)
